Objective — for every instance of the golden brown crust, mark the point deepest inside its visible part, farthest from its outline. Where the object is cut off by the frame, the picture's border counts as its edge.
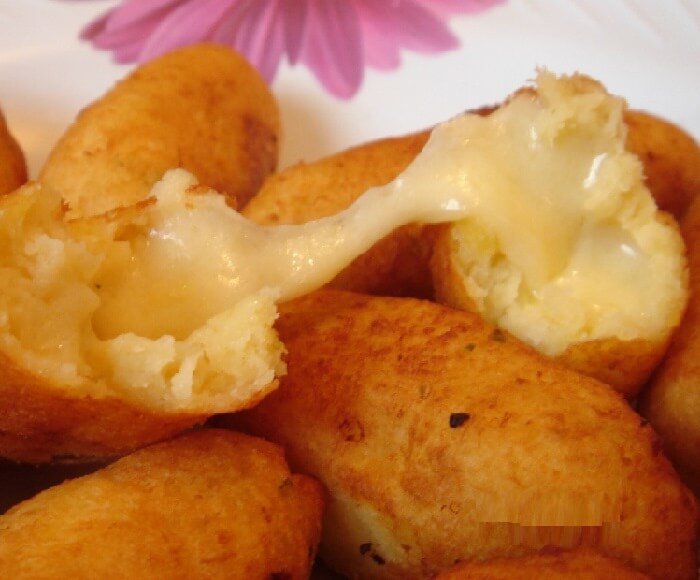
(671, 159)
(552, 564)
(202, 108)
(308, 191)
(672, 400)
(210, 504)
(61, 401)
(625, 365)
(13, 167)
(440, 438)
(42, 421)
(395, 266)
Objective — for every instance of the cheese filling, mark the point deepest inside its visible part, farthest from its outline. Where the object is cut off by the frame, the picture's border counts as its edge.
(567, 244)
(195, 256)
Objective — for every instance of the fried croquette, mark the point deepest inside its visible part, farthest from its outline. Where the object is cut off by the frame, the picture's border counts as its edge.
(112, 332)
(209, 504)
(550, 564)
(441, 438)
(671, 402)
(13, 166)
(670, 156)
(567, 249)
(202, 108)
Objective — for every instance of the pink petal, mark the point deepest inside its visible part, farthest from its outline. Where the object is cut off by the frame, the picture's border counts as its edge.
(294, 22)
(332, 48)
(255, 29)
(334, 38)
(126, 43)
(390, 25)
(190, 22)
(96, 27)
(131, 12)
(419, 29)
(380, 46)
(126, 29)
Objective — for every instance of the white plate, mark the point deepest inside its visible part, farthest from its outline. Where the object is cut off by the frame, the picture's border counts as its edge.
(645, 50)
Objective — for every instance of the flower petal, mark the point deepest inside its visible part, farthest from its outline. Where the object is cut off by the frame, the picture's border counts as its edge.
(131, 12)
(332, 46)
(255, 29)
(294, 21)
(380, 45)
(190, 22)
(126, 29)
(97, 27)
(126, 42)
(421, 30)
(334, 38)
(390, 25)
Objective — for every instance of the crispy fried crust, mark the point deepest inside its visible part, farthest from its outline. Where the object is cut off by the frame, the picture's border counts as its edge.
(441, 439)
(551, 564)
(44, 422)
(13, 167)
(671, 159)
(625, 365)
(672, 399)
(203, 108)
(211, 504)
(46, 414)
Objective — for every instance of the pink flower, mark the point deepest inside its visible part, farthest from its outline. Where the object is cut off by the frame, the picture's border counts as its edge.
(336, 39)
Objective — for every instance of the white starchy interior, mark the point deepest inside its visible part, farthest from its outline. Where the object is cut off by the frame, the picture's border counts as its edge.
(564, 243)
(52, 287)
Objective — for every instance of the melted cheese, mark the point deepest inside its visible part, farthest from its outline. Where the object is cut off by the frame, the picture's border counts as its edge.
(198, 257)
(541, 175)
(567, 244)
